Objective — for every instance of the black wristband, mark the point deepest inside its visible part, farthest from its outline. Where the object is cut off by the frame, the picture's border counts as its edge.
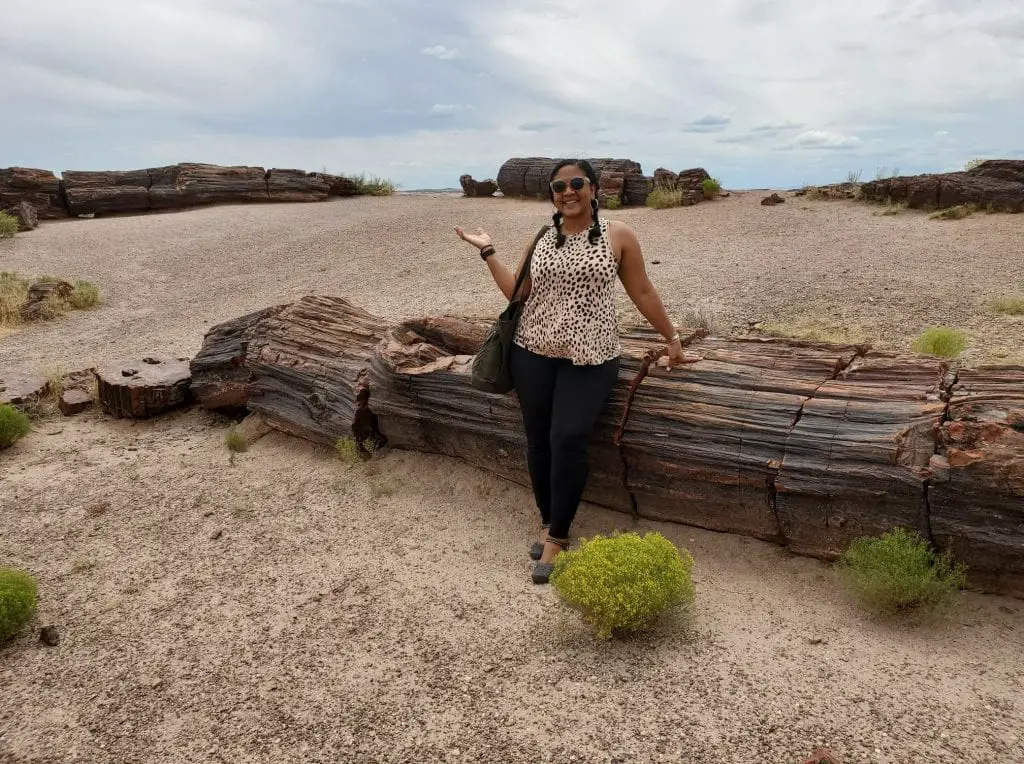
(486, 252)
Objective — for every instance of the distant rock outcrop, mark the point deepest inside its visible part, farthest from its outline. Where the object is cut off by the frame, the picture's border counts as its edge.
(40, 188)
(997, 183)
(472, 187)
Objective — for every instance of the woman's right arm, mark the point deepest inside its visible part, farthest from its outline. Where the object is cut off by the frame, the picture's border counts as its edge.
(503, 277)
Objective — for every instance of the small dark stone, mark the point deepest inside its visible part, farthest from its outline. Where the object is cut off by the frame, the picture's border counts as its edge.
(655, 262)
(216, 534)
(49, 636)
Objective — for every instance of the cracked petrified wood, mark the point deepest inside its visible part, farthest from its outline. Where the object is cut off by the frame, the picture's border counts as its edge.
(142, 387)
(806, 444)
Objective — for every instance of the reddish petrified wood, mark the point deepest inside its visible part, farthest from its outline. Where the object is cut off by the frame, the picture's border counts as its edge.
(142, 387)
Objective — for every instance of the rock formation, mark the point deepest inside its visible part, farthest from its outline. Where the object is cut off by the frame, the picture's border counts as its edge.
(806, 444)
(995, 184)
(26, 214)
(142, 387)
(770, 201)
(472, 187)
(528, 177)
(40, 188)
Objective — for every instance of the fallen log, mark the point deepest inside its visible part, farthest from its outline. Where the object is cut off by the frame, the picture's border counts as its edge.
(142, 387)
(806, 444)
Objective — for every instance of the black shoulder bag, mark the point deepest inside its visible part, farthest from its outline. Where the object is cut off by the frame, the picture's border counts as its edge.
(490, 370)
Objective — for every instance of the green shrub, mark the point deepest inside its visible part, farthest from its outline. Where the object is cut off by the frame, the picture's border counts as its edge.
(662, 198)
(17, 601)
(899, 572)
(14, 425)
(611, 203)
(85, 296)
(623, 582)
(959, 212)
(941, 341)
(1010, 306)
(8, 225)
(348, 450)
(235, 441)
(374, 186)
(972, 163)
(711, 188)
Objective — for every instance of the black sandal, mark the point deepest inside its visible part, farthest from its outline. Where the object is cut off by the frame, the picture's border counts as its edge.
(542, 570)
(537, 548)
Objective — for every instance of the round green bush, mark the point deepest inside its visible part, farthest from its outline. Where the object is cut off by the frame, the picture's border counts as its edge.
(898, 572)
(13, 425)
(17, 601)
(623, 582)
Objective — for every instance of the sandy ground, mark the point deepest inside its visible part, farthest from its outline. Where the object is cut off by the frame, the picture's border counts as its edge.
(291, 608)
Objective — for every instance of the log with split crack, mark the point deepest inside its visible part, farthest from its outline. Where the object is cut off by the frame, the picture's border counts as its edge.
(801, 443)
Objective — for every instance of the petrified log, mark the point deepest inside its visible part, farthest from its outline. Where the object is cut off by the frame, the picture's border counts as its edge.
(100, 192)
(770, 201)
(948, 190)
(610, 186)
(310, 365)
(26, 214)
(22, 389)
(692, 179)
(1004, 169)
(40, 188)
(472, 187)
(665, 179)
(976, 492)
(186, 185)
(807, 444)
(142, 387)
(339, 186)
(636, 189)
(220, 378)
(528, 176)
(296, 186)
(44, 297)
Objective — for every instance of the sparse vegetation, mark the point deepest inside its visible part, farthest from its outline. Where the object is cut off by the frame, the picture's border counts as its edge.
(85, 296)
(14, 293)
(711, 187)
(82, 565)
(611, 203)
(854, 176)
(235, 441)
(8, 225)
(381, 486)
(18, 592)
(899, 572)
(662, 198)
(959, 212)
(940, 341)
(624, 582)
(699, 317)
(14, 425)
(884, 172)
(972, 164)
(814, 324)
(891, 209)
(1008, 306)
(348, 451)
(374, 186)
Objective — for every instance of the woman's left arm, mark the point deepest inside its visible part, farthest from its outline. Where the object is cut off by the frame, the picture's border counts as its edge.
(641, 291)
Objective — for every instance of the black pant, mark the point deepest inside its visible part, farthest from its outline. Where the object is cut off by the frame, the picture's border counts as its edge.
(560, 404)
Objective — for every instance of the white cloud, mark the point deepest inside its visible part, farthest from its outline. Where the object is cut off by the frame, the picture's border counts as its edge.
(441, 52)
(823, 139)
(449, 109)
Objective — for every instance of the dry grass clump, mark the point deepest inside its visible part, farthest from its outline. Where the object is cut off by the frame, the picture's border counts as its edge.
(1008, 306)
(662, 198)
(374, 186)
(15, 290)
(814, 325)
(891, 209)
(941, 341)
(8, 225)
(959, 212)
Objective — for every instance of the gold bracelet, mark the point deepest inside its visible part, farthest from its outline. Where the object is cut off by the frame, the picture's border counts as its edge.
(673, 338)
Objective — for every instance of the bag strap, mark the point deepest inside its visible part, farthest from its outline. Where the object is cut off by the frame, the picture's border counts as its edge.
(526, 265)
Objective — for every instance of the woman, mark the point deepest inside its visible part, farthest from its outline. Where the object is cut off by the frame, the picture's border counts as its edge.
(565, 356)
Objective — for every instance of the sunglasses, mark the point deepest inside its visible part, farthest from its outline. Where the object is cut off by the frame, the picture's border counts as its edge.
(577, 183)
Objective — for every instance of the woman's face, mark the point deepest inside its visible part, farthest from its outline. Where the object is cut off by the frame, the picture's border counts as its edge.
(572, 191)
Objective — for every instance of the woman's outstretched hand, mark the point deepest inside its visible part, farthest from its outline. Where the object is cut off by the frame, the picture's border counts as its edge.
(478, 239)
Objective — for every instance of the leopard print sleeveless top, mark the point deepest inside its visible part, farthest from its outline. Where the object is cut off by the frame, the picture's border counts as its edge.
(570, 312)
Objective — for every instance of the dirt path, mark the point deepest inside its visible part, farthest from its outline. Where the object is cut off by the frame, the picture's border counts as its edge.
(293, 609)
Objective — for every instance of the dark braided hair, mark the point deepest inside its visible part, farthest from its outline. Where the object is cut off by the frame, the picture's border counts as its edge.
(595, 230)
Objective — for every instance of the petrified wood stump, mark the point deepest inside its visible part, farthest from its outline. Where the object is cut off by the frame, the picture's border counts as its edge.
(42, 295)
(143, 387)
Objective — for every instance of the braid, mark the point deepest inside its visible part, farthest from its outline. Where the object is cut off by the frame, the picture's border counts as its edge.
(560, 240)
(595, 230)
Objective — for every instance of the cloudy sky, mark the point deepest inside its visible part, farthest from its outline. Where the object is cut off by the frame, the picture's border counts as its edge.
(760, 92)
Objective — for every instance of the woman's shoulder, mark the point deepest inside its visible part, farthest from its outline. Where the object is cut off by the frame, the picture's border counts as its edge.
(619, 230)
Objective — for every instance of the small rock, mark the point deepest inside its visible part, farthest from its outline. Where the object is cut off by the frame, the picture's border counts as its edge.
(216, 534)
(74, 401)
(49, 636)
(655, 262)
(772, 200)
(815, 640)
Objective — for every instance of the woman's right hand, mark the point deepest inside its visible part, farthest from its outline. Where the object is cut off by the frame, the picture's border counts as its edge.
(478, 239)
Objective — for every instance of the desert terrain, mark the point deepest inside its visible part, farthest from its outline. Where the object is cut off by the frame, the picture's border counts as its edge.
(288, 607)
